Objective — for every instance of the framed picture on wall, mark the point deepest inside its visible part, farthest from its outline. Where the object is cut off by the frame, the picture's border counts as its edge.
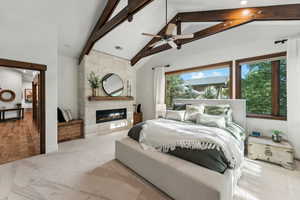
(28, 95)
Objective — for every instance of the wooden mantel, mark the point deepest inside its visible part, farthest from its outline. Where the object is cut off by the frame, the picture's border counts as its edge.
(108, 98)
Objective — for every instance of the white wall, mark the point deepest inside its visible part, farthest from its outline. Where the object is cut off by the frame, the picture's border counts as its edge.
(26, 85)
(68, 84)
(35, 43)
(11, 80)
(215, 49)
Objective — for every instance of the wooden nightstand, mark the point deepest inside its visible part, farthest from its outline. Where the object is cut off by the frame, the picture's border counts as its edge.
(262, 148)
(137, 118)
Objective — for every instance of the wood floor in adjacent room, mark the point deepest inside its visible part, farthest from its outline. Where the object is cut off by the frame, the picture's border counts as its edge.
(85, 169)
(19, 139)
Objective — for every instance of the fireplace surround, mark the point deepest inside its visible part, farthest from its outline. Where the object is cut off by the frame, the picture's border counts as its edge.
(103, 64)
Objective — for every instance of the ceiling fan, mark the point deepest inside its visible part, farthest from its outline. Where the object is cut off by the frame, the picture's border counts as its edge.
(168, 37)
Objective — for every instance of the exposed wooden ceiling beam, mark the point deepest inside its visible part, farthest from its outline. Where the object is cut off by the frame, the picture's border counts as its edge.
(133, 7)
(280, 12)
(230, 18)
(106, 14)
(104, 26)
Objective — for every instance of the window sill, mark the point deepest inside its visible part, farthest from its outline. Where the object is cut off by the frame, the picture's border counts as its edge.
(267, 117)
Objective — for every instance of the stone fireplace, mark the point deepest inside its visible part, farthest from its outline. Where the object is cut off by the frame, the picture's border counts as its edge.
(105, 116)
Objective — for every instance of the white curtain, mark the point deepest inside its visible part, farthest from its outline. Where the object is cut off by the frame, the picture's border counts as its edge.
(293, 92)
(159, 91)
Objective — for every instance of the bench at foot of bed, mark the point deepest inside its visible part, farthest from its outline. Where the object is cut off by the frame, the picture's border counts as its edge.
(180, 179)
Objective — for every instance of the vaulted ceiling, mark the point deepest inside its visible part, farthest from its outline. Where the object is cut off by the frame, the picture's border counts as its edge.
(152, 18)
(75, 19)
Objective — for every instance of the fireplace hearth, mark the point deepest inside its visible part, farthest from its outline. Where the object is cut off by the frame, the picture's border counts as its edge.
(110, 115)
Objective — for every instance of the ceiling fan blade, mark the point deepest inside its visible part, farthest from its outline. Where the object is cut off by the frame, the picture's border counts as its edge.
(170, 29)
(179, 37)
(159, 43)
(172, 44)
(151, 35)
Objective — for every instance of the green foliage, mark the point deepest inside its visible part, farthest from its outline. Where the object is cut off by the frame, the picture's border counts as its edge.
(210, 93)
(256, 88)
(94, 80)
(283, 87)
(175, 88)
(276, 132)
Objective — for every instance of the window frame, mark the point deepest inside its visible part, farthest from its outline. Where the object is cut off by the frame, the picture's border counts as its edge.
(275, 82)
(226, 64)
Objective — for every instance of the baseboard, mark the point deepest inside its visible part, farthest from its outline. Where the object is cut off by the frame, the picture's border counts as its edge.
(51, 148)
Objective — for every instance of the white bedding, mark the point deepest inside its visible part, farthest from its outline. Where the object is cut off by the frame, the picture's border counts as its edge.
(165, 135)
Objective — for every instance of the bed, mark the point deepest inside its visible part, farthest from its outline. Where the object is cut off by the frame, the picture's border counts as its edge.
(179, 178)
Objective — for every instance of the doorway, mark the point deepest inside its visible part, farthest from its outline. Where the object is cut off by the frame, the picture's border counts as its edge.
(22, 110)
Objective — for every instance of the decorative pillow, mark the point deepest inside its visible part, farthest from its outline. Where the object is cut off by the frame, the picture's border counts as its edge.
(69, 113)
(211, 120)
(177, 115)
(218, 110)
(65, 114)
(192, 112)
(179, 106)
(237, 131)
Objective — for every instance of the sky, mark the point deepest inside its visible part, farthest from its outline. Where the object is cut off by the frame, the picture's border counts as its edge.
(205, 73)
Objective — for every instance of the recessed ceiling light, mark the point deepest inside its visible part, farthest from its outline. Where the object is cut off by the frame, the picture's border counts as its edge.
(244, 2)
(119, 48)
(246, 12)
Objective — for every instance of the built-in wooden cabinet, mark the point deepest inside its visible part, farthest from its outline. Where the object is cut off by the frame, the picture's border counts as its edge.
(70, 130)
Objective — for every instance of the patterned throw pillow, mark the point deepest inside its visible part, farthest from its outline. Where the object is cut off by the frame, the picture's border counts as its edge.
(219, 110)
(177, 115)
(211, 120)
(192, 112)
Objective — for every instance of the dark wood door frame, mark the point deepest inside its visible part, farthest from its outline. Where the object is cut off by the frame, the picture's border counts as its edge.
(42, 69)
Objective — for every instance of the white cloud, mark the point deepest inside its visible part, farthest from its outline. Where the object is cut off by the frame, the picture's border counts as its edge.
(216, 74)
(197, 75)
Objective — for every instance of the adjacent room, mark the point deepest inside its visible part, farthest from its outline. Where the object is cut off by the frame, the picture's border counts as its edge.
(149, 99)
(19, 111)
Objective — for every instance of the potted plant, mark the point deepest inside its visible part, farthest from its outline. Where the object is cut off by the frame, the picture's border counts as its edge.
(276, 136)
(94, 82)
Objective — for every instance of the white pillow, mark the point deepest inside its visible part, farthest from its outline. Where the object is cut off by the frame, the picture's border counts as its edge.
(192, 112)
(175, 115)
(211, 120)
(65, 114)
(69, 113)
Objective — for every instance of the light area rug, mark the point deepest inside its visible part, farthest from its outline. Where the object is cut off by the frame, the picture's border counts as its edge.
(86, 170)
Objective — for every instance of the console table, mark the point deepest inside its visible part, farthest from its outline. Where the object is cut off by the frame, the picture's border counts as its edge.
(20, 114)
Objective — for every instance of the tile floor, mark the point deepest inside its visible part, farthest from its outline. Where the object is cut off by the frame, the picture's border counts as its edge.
(86, 170)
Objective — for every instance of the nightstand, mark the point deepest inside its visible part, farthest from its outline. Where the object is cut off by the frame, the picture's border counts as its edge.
(263, 148)
(137, 118)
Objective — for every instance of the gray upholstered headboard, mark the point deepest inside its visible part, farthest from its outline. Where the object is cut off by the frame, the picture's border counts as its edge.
(238, 107)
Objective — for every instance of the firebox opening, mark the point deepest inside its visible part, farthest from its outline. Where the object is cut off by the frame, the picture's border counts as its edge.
(110, 115)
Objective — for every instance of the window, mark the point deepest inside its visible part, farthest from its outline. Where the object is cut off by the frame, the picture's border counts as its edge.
(206, 82)
(262, 82)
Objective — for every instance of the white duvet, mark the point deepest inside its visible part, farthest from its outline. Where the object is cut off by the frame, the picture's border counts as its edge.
(165, 135)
